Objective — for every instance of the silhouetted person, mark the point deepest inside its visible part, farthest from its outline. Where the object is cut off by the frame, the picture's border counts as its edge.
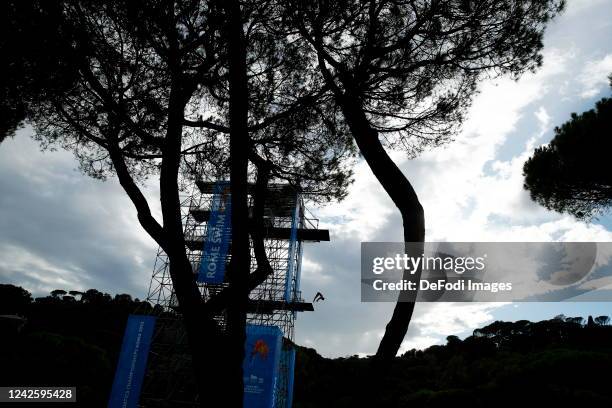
(318, 297)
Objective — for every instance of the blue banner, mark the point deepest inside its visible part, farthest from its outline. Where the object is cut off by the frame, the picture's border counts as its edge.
(261, 365)
(290, 375)
(132, 362)
(298, 272)
(218, 236)
(295, 218)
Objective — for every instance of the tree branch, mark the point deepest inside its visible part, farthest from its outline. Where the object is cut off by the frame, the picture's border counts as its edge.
(148, 222)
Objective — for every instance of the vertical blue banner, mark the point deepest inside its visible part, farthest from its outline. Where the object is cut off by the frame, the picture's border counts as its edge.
(298, 271)
(132, 362)
(261, 365)
(218, 236)
(290, 356)
(295, 218)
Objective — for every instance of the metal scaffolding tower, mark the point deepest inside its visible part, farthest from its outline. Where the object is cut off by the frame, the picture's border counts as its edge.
(275, 302)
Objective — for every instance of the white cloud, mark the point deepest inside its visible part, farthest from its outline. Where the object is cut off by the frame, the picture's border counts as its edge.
(436, 321)
(42, 276)
(464, 185)
(578, 6)
(419, 343)
(594, 76)
(543, 118)
(313, 273)
(362, 213)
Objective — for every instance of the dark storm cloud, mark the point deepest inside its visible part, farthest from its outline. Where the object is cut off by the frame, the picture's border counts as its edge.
(60, 229)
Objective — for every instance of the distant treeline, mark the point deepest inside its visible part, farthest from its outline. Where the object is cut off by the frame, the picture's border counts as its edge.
(73, 338)
(565, 361)
(68, 338)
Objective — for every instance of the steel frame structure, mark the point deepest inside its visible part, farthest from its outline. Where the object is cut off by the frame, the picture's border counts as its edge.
(275, 302)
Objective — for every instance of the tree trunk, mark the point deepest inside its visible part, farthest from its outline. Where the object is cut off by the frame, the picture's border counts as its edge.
(204, 340)
(238, 274)
(203, 337)
(405, 199)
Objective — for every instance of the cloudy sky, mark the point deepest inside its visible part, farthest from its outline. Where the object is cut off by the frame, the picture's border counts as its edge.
(60, 229)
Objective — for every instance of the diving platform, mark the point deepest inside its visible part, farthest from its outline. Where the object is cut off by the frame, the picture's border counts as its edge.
(303, 235)
(271, 306)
